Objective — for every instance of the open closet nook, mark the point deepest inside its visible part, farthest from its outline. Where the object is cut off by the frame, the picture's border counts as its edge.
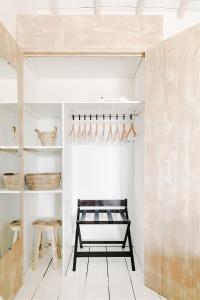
(99, 151)
(91, 109)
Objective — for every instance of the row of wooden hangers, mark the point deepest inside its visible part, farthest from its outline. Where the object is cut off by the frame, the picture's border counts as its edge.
(105, 131)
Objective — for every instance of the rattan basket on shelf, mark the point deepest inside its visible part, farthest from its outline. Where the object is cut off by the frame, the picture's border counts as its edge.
(47, 138)
(43, 181)
(11, 181)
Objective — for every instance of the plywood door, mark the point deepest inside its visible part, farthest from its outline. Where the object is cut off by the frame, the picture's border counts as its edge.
(172, 172)
(11, 264)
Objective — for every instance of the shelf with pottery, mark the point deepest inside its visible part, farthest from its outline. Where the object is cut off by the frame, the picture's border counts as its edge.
(57, 191)
(43, 148)
(26, 191)
(7, 191)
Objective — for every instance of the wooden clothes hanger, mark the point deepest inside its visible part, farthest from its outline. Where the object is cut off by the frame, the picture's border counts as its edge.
(110, 133)
(89, 133)
(72, 131)
(131, 131)
(123, 136)
(96, 129)
(78, 134)
(83, 134)
(117, 134)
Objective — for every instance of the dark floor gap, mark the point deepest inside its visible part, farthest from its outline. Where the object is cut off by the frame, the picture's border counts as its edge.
(108, 277)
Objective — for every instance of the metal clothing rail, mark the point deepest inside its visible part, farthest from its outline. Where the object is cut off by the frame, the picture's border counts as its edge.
(104, 116)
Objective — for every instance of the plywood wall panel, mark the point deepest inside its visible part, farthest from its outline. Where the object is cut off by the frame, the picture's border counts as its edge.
(11, 270)
(180, 176)
(11, 263)
(8, 48)
(154, 156)
(87, 34)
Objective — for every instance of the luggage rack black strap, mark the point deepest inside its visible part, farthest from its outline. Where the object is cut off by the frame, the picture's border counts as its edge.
(97, 220)
(104, 254)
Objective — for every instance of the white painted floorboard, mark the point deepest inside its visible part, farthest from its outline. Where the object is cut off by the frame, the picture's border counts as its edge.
(95, 278)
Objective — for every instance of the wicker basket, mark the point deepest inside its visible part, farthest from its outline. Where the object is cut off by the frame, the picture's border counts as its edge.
(11, 181)
(47, 138)
(43, 181)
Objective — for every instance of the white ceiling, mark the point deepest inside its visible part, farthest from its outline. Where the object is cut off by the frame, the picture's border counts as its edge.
(83, 67)
(106, 6)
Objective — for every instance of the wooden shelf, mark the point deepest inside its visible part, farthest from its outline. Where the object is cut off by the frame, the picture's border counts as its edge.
(59, 191)
(43, 148)
(9, 148)
(6, 191)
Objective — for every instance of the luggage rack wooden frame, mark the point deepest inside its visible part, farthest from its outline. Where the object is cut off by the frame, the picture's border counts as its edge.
(84, 208)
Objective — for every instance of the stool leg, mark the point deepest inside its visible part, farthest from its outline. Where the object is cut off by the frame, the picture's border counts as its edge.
(54, 249)
(131, 248)
(75, 247)
(41, 244)
(15, 237)
(57, 243)
(36, 250)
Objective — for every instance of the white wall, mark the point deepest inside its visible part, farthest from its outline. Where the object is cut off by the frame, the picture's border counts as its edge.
(8, 90)
(9, 118)
(30, 84)
(84, 89)
(98, 174)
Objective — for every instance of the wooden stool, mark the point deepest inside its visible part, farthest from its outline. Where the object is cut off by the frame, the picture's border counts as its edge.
(16, 227)
(50, 226)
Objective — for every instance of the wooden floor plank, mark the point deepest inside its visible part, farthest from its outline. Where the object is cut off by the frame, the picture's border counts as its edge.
(141, 291)
(73, 284)
(32, 279)
(97, 280)
(50, 285)
(119, 281)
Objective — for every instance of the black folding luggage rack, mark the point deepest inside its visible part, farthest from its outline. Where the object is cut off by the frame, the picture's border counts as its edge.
(84, 208)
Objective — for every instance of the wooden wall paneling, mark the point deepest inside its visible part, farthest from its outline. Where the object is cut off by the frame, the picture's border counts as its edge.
(154, 172)
(172, 172)
(196, 208)
(10, 271)
(11, 264)
(182, 213)
(87, 34)
(9, 50)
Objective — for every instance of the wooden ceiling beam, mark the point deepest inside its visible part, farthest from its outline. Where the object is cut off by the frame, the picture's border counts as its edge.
(182, 8)
(140, 7)
(97, 7)
(53, 7)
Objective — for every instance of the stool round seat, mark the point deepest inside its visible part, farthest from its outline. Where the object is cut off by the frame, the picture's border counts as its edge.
(47, 222)
(49, 226)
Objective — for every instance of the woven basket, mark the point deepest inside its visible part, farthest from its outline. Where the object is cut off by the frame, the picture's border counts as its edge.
(43, 181)
(11, 181)
(47, 138)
